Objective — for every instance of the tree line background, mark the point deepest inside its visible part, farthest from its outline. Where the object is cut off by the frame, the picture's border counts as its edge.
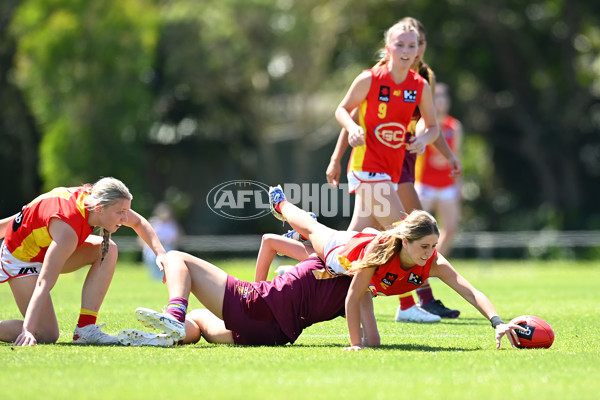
(176, 96)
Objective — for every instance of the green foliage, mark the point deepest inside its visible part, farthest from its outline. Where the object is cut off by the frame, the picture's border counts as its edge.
(453, 359)
(155, 91)
(84, 67)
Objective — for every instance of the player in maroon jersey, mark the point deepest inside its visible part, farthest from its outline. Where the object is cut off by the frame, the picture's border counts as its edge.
(244, 313)
(391, 262)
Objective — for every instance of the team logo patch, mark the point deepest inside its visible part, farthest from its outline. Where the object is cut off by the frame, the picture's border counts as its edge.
(243, 291)
(528, 334)
(388, 280)
(410, 96)
(415, 279)
(17, 221)
(392, 134)
(384, 93)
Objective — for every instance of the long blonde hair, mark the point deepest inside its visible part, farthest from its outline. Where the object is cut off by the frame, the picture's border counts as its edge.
(104, 193)
(388, 244)
(402, 25)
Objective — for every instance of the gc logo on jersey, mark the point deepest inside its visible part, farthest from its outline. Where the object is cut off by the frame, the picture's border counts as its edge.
(392, 134)
(384, 93)
(410, 96)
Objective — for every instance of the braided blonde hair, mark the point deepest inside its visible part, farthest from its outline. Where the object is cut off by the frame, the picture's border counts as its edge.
(104, 193)
(388, 244)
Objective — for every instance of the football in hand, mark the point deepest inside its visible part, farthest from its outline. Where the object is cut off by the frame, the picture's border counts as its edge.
(538, 333)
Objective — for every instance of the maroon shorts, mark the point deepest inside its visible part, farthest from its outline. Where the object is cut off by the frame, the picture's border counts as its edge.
(408, 168)
(249, 318)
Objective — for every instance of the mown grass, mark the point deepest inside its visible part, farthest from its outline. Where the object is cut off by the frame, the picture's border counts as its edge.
(448, 360)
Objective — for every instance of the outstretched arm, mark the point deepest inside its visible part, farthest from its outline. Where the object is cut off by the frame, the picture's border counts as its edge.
(443, 270)
(354, 300)
(272, 244)
(144, 230)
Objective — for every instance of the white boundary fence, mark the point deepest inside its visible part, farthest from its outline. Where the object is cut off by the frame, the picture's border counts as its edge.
(482, 241)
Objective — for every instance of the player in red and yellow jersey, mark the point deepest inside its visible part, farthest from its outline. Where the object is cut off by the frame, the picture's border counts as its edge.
(53, 235)
(386, 97)
(408, 310)
(391, 262)
(437, 186)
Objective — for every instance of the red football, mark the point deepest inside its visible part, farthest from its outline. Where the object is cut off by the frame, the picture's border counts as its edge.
(538, 334)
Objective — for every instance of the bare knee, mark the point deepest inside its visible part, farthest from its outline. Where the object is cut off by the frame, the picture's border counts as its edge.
(192, 330)
(48, 337)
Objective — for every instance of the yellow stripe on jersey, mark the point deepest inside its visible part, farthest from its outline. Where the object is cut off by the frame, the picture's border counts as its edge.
(345, 263)
(358, 153)
(81, 203)
(322, 274)
(58, 192)
(31, 245)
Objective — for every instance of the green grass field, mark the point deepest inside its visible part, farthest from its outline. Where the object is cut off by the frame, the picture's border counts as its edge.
(449, 360)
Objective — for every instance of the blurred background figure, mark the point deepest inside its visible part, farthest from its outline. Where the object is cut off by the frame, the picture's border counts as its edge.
(438, 190)
(168, 231)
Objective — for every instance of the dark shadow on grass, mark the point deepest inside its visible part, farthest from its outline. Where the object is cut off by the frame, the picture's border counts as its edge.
(445, 321)
(107, 345)
(387, 347)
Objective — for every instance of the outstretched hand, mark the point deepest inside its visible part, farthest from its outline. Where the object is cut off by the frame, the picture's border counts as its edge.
(25, 338)
(509, 331)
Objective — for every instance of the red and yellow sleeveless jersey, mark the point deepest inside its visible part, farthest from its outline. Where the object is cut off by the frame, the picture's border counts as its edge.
(28, 237)
(390, 278)
(432, 167)
(385, 116)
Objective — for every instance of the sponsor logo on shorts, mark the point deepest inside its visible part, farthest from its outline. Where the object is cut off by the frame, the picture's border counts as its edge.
(415, 279)
(28, 270)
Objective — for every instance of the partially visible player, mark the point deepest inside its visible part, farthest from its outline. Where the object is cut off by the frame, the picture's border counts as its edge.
(437, 187)
(53, 235)
(238, 312)
(391, 262)
(430, 309)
